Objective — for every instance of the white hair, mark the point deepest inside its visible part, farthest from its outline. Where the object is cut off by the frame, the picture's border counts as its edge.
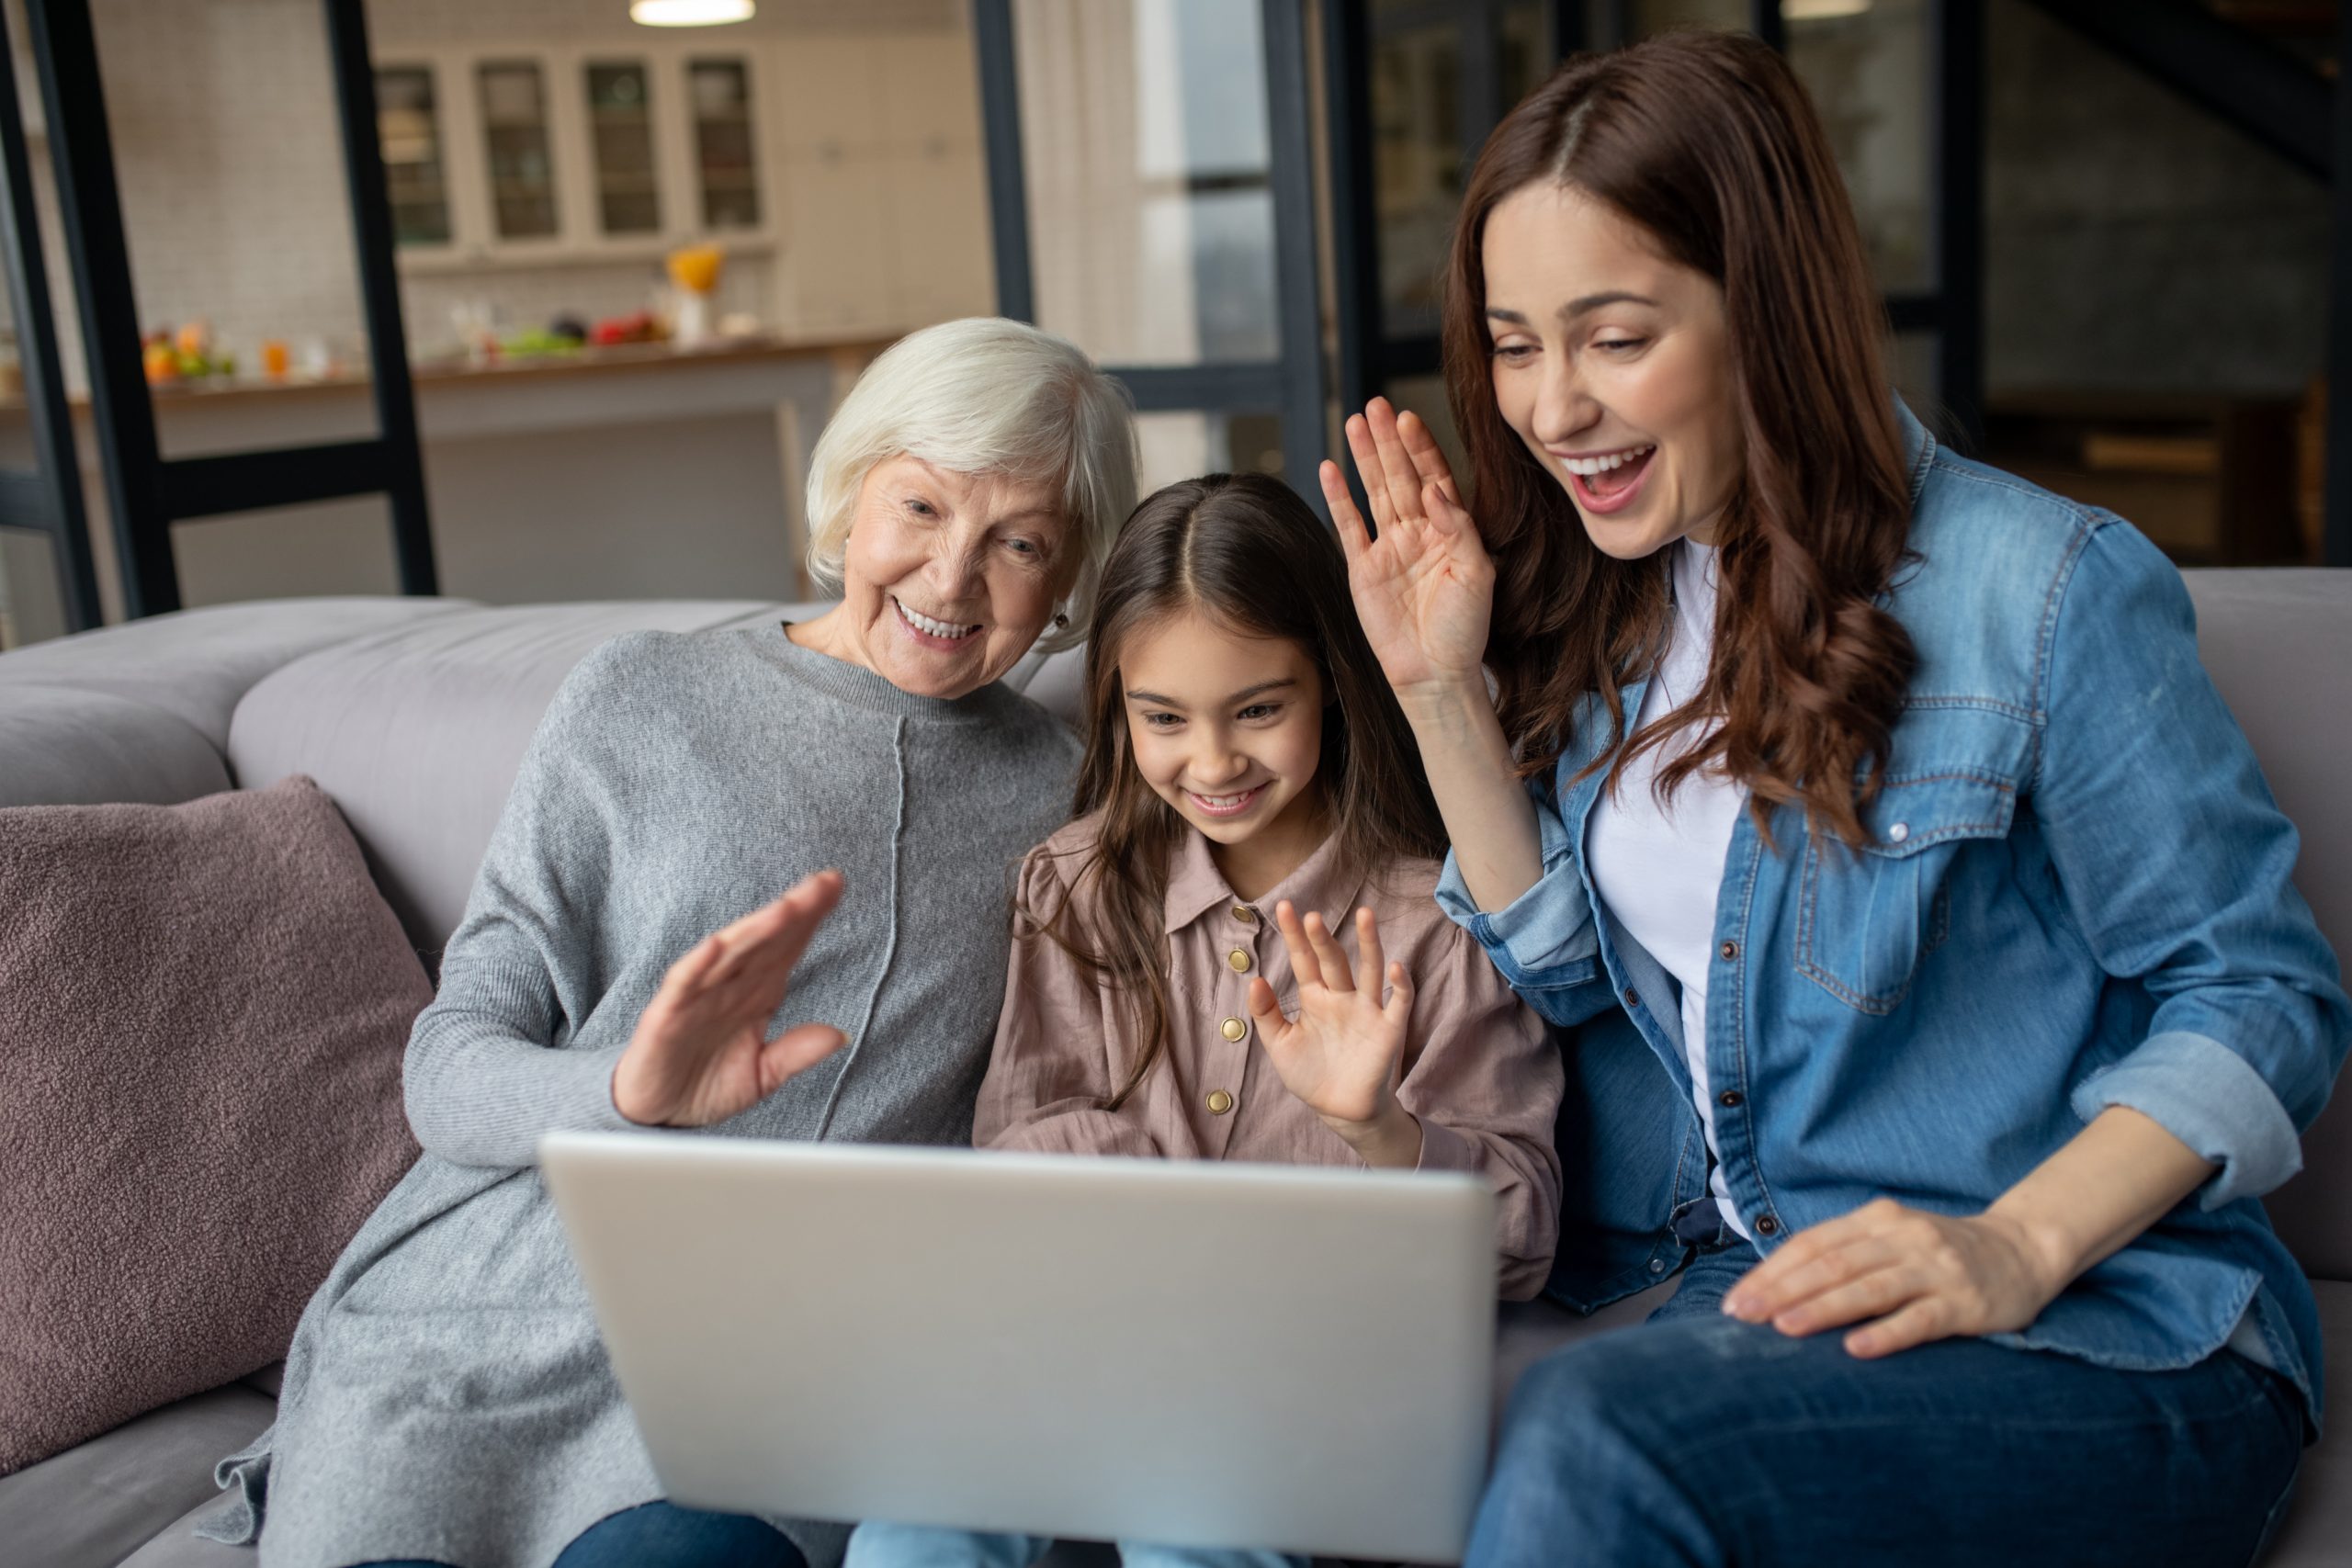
(984, 396)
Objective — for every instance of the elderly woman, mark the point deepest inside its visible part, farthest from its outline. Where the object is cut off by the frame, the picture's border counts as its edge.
(625, 957)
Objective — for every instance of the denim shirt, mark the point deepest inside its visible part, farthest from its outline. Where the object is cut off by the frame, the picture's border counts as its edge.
(2075, 895)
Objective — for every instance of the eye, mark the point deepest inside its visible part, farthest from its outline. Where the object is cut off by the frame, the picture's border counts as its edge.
(1259, 711)
(1514, 353)
(1620, 344)
(920, 507)
(1022, 548)
(1160, 721)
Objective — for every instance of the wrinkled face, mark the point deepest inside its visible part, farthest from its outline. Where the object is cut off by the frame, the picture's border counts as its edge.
(949, 578)
(1613, 364)
(1228, 729)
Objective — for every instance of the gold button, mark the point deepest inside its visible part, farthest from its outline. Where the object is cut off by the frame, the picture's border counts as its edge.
(1219, 1103)
(1240, 960)
(1234, 1029)
(1245, 914)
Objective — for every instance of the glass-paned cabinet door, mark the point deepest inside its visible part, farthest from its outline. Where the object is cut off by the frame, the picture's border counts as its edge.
(726, 158)
(620, 126)
(408, 129)
(515, 144)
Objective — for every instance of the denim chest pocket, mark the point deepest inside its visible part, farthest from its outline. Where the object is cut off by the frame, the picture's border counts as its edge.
(1866, 918)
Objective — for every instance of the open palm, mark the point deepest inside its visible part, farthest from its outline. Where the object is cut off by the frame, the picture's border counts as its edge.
(701, 1053)
(1422, 581)
(1339, 1055)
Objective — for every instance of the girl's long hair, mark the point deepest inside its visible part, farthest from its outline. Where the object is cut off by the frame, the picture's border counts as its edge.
(1708, 143)
(1246, 552)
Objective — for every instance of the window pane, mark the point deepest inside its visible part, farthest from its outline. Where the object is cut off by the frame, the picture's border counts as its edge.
(1417, 169)
(1868, 73)
(1182, 445)
(621, 123)
(1147, 158)
(721, 92)
(1528, 54)
(514, 136)
(1658, 16)
(31, 607)
(408, 129)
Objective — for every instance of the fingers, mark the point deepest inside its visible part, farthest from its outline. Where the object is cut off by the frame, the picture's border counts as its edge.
(774, 937)
(1368, 954)
(1923, 1321)
(1428, 458)
(1366, 453)
(1266, 1011)
(1329, 957)
(794, 1052)
(1353, 539)
(1399, 1005)
(1396, 471)
(1305, 965)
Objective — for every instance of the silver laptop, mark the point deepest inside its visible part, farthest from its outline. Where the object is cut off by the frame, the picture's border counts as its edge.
(1188, 1354)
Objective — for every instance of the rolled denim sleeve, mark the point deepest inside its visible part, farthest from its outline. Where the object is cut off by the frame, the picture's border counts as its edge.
(2177, 864)
(1545, 942)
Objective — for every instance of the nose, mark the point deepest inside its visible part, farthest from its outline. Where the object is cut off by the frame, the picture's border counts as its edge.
(956, 568)
(1213, 763)
(1564, 409)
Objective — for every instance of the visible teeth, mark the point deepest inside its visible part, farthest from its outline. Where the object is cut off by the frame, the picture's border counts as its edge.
(1591, 466)
(923, 622)
(1223, 802)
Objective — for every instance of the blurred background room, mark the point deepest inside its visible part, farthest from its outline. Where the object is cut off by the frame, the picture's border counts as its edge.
(627, 269)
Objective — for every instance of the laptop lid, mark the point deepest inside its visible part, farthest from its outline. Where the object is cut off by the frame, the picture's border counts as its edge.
(1184, 1353)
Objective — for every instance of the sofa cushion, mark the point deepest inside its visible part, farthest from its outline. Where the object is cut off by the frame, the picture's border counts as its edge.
(63, 746)
(2279, 645)
(95, 1503)
(202, 1011)
(196, 664)
(418, 732)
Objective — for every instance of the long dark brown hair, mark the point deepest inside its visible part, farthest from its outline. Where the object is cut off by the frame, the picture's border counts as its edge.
(1243, 550)
(1707, 142)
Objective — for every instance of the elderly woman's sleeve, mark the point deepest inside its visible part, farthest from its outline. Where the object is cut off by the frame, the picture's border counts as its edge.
(1485, 1083)
(487, 1070)
(1051, 1069)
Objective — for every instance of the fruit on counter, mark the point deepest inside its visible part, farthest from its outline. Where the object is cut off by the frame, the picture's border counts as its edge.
(185, 354)
(534, 342)
(638, 327)
(695, 268)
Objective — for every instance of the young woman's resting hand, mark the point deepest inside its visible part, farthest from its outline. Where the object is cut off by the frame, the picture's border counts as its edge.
(701, 1052)
(1341, 1055)
(1424, 588)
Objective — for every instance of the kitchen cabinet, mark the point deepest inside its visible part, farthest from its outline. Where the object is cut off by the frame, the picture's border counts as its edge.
(850, 163)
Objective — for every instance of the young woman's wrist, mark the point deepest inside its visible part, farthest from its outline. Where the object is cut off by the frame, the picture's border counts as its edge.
(1448, 704)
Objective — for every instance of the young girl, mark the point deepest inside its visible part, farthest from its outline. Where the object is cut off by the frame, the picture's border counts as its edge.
(1233, 953)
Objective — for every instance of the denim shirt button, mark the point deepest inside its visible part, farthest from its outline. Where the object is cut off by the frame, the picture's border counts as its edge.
(1899, 833)
(1768, 1225)
(1658, 1265)
(1632, 997)
(1729, 951)
(1728, 1099)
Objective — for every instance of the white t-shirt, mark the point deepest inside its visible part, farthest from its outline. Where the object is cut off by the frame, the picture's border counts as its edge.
(1659, 867)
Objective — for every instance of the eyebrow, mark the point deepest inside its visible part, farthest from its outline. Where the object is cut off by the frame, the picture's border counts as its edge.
(1577, 307)
(1260, 689)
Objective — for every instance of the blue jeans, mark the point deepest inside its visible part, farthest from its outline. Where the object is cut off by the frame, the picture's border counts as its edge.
(662, 1534)
(879, 1545)
(1699, 1439)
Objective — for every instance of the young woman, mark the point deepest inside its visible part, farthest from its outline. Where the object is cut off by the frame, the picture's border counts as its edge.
(1945, 1004)
(1246, 766)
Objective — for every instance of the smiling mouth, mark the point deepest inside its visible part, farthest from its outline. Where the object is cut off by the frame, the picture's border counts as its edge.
(928, 628)
(1608, 480)
(1224, 805)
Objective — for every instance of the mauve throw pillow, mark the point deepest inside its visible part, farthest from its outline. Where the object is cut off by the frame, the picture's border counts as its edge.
(202, 1009)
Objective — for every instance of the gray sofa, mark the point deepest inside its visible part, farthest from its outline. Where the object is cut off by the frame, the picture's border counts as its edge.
(412, 715)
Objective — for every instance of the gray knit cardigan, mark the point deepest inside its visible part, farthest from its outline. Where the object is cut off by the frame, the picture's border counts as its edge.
(447, 1396)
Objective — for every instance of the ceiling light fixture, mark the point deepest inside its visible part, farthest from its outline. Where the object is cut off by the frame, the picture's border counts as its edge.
(1821, 10)
(689, 13)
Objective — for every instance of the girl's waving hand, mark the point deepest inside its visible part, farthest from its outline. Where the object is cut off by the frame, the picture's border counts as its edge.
(1340, 1055)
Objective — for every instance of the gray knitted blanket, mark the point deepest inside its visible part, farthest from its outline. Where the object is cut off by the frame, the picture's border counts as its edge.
(447, 1396)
